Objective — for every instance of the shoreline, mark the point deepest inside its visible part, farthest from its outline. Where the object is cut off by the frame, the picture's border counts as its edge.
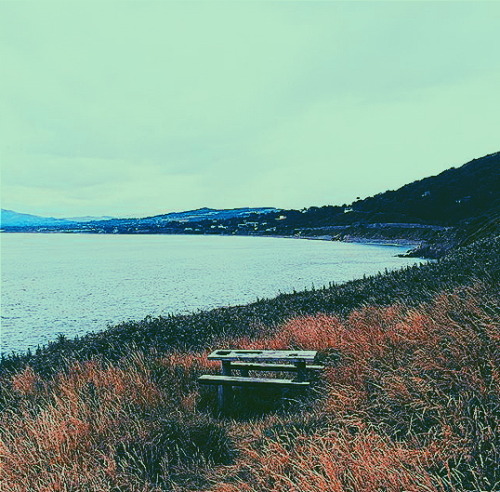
(302, 253)
(324, 237)
(361, 240)
(415, 248)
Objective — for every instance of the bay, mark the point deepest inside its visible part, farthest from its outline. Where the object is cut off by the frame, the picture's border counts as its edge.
(72, 284)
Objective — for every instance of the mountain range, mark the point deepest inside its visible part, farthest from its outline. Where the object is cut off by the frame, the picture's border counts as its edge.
(16, 219)
(9, 218)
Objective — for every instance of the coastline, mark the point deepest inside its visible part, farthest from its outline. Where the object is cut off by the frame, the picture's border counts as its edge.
(410, 243)
(416, 249)
(362, 240)
(413, 245)
(198, 283)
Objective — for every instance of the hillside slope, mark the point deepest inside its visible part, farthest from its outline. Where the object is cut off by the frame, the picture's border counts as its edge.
(453, 197)
(9, 218)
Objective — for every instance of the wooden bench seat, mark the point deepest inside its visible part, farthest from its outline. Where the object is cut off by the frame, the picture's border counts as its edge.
(245, 366)
(247, 381)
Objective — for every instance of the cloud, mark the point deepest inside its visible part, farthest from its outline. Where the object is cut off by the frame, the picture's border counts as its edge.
(175, 105)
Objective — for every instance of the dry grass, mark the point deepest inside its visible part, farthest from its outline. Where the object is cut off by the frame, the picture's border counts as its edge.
(413, 404)
(331, 461)
(63, 432)
(409, 402)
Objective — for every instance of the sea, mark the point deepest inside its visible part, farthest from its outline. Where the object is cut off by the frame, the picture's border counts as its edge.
(73, 284)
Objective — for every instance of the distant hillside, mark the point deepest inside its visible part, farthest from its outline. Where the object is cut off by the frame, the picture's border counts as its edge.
(453, 197)
(440, 212)
(208, 214)
(88, 218)
(11, 218)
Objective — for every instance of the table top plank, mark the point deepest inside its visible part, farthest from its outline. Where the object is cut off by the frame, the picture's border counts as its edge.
(292, 356)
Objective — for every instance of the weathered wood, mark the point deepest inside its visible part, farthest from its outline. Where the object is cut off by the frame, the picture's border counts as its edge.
(225, 393)
(299, 361)
(271, 367)
(246, 381)
(291, 356)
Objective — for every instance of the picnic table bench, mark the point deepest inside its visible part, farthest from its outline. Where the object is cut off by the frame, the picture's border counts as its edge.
(297, 361)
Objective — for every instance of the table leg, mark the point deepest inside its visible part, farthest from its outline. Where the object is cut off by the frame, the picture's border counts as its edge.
(301, 371)
(225, 392)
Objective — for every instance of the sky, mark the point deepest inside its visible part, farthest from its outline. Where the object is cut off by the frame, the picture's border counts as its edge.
(135, 108)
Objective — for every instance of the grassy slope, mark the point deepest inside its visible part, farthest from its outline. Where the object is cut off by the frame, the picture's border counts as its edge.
(410, 399)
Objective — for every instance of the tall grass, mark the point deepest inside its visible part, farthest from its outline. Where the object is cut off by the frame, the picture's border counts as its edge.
(409, 401)
(101, 426)
(413, 404)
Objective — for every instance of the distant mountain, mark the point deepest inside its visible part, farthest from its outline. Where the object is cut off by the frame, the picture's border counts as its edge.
(16, 219)
(9, 218)
(207, 214)
(88, 218)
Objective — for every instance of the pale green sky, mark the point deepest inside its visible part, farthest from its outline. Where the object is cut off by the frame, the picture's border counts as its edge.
(137, 108)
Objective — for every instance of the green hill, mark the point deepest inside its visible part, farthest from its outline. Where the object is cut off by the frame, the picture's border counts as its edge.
(455, 196)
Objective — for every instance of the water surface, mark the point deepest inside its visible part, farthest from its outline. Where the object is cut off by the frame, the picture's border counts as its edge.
(76, 283)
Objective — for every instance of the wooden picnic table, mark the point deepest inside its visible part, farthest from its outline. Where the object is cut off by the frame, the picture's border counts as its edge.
(298, 361)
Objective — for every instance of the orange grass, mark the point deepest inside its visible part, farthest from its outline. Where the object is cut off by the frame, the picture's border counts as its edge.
(410, 404)
(332, 461)
(417, 389)
(64, 440)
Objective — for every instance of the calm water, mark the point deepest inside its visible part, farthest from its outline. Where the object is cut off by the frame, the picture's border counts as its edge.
(73, 284)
